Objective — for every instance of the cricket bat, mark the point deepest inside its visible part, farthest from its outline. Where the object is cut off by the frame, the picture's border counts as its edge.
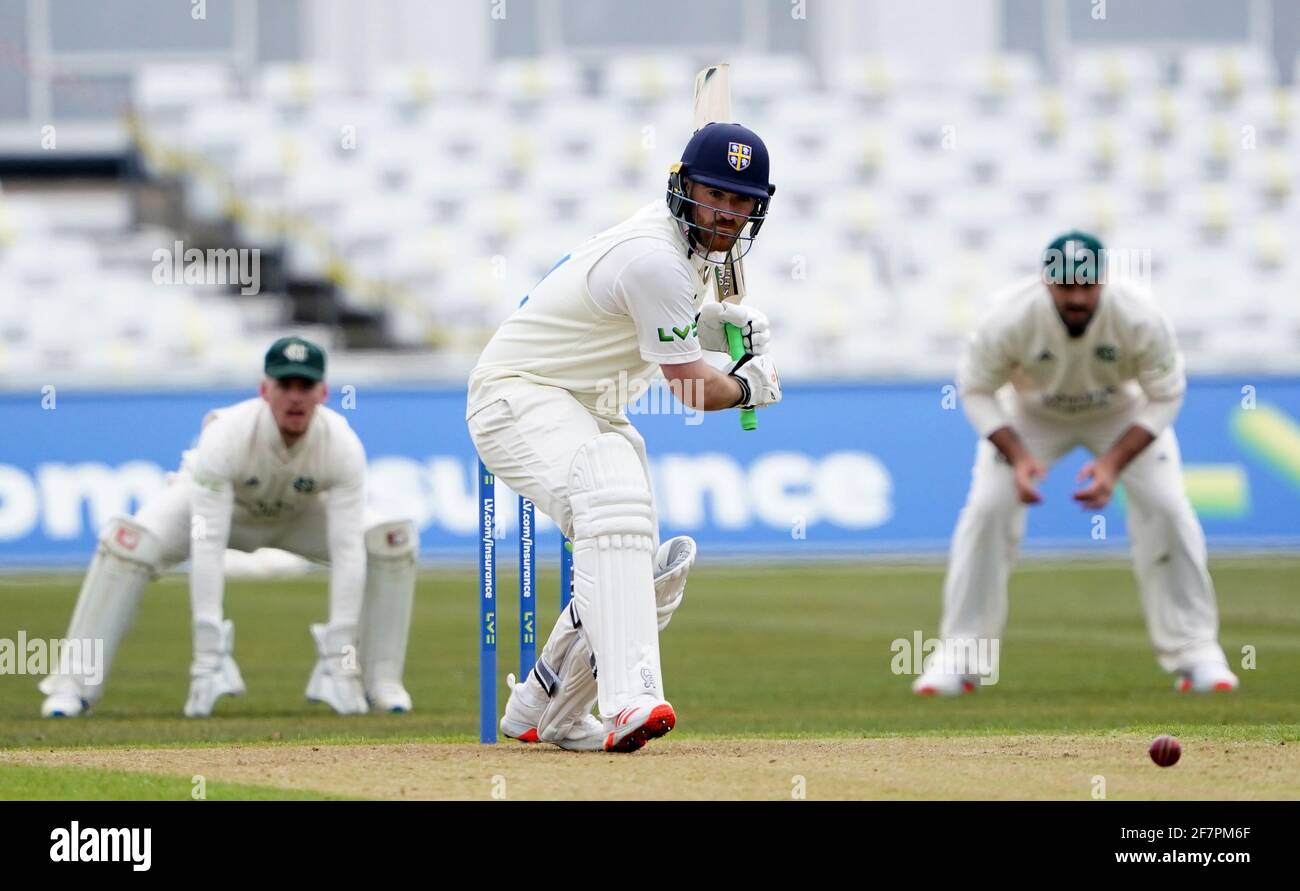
(713, 104)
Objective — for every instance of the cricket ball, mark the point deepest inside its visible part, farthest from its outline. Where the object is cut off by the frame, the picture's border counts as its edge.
(1165, 751)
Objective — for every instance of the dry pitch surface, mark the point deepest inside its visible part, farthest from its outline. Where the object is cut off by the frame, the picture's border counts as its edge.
(990, 768)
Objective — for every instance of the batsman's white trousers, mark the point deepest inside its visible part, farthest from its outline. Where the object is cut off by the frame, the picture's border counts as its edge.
(1168, 546)
(529, 437)
(577, 469)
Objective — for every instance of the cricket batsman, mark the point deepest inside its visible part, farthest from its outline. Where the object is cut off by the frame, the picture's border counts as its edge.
(1070, 359)
(546, 413)
(278, 471)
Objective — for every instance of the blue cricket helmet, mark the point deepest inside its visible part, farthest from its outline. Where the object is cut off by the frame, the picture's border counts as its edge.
(730, 157)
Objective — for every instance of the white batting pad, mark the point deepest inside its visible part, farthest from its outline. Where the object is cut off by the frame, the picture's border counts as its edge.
(389, 596)
(127, 558)
(613, 570)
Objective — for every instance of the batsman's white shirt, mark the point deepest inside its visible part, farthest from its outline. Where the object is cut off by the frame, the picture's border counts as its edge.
(244, 477)
(1126, 361)
(604, 318)
(550, 387)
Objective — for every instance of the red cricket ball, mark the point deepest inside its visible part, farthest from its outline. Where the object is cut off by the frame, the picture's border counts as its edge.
(1165, 751)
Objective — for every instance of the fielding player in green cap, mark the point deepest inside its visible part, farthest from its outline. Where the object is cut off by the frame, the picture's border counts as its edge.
(1070, 359)
(278, 471)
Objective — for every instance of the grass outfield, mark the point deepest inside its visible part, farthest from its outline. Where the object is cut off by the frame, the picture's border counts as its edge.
(34, 782)
(762, 653)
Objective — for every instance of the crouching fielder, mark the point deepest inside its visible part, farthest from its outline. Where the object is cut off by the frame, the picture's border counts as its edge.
(1090, 364)
(546, 413)
(280, 471)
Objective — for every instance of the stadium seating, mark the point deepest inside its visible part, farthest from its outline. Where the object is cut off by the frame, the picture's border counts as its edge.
(904, 197)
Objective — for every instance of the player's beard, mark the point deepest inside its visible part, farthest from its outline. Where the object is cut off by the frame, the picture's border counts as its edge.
(720, 240)
(1077, 328)
(723, 244)
(711, 240)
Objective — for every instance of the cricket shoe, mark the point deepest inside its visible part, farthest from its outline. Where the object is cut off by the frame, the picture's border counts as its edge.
(389, 696)
(1206, 677)
(523, 715)
(636, 725)
(64, 699)
(940, 683)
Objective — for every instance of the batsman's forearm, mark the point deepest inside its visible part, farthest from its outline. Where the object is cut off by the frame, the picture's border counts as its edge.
(1008, 442)
(1127, 447)
(712, 390)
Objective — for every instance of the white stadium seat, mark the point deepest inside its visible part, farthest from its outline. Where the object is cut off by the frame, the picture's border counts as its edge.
(647, 79)
(411, 87)
(293, 88)
(997, 77)
(1110, 77)
(757, 81)
(1222, 74)
(534, 80)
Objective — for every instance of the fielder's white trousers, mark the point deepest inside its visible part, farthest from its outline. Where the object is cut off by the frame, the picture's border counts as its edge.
(306, 533)
(529, 437)
(1168, 546)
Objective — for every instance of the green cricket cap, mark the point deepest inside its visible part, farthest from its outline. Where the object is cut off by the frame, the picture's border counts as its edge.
(1074, 258)
(295, 357)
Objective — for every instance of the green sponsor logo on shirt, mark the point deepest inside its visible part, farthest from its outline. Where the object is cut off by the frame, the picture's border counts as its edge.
(678, 333)
(1106, 353)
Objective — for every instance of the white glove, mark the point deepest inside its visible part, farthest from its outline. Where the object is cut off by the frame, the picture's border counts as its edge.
(336, 679)
(752, 324)
(673, 563)
(213, 673)
(758, 380)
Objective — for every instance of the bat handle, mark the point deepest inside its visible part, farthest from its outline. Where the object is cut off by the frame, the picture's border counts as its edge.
(736, 346)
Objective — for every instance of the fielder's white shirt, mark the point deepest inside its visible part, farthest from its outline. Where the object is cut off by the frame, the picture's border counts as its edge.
(1126, 361)
(606, 317)
(243, 473)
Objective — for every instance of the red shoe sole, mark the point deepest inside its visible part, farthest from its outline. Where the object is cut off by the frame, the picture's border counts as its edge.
(662, 719)
(966, 687)
(1185, 686)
